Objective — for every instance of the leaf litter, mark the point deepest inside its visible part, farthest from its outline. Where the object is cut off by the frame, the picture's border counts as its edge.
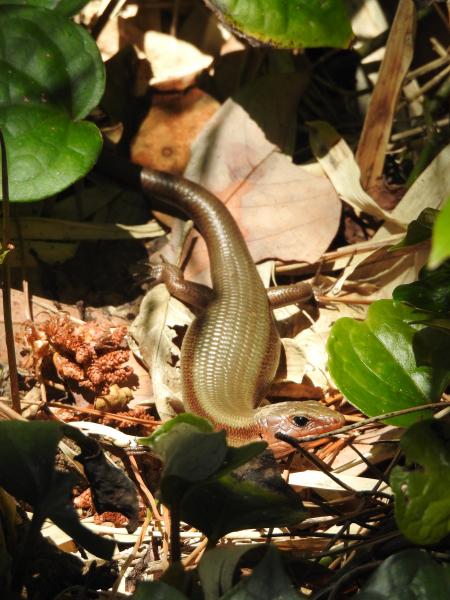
(290, 214)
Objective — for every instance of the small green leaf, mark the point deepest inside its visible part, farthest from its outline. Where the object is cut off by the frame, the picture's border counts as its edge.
(64, 7)
(419, 229)
(422, 500)
(374, 365)
(408, 575)
(431, 292)
(217, 568)
(268, 581)
(160, 440)
(46, 150)
(287, 23)
(157, 590)
(51, 74)
(47, 59)
(440, 242)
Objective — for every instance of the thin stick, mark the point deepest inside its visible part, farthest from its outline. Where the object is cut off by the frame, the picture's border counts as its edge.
(7, 311)
(151, 423)
(147, 493)
(130, 557)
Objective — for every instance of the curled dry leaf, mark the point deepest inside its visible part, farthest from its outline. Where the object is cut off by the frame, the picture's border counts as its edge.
(155, 329)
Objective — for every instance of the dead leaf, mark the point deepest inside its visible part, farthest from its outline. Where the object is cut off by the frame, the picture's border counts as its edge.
(165, 136)
(155, 328)
(175, 63)
(283, 210)
(380, 267)
(339, 163)
(378, 122)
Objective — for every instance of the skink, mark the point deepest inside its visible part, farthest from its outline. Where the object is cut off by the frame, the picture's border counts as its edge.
(230, 352)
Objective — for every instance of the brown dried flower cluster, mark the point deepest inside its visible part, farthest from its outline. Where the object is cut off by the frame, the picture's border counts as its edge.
(90, 354)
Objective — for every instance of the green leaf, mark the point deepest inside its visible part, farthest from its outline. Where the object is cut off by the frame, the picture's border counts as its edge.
(287, 23)
(162, 439)
(46, 150)
(47, 59)
(28, 449)
(63, 7)
(51, 74)
(430, 346)
(8, 539)
(431, 292)
(419, 229)
(408, 575)
(157, 590)
(202, 482)
(422, 493)
(440, 242)
(437, 323)
(373, 362)
(217, 568)
(253, 496)
(268, 581)
(27, 456)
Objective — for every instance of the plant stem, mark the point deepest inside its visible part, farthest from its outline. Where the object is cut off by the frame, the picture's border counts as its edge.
(175, 546)
(7, 312)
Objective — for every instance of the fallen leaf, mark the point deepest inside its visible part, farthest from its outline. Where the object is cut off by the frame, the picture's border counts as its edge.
(278, 205)
(175, 63)
(165, 136)
(374, 138)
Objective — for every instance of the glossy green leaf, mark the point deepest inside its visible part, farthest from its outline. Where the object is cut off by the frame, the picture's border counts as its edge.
(162, 439)
(408, 575)
(422, 488)
(373, 362)
(431, 292)
(46, 150)
(419, 229)
(440, 242)
(63, 7)
(47, 59)
(27, 456)
(51, 75)
(287, 23)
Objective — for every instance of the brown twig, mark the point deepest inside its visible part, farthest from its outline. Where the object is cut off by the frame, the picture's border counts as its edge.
(149, 422)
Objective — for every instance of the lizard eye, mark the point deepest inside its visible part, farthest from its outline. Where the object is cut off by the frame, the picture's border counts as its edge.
(301, 421)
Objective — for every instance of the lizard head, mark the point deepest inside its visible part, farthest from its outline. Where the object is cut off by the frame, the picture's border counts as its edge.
(297, 419)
